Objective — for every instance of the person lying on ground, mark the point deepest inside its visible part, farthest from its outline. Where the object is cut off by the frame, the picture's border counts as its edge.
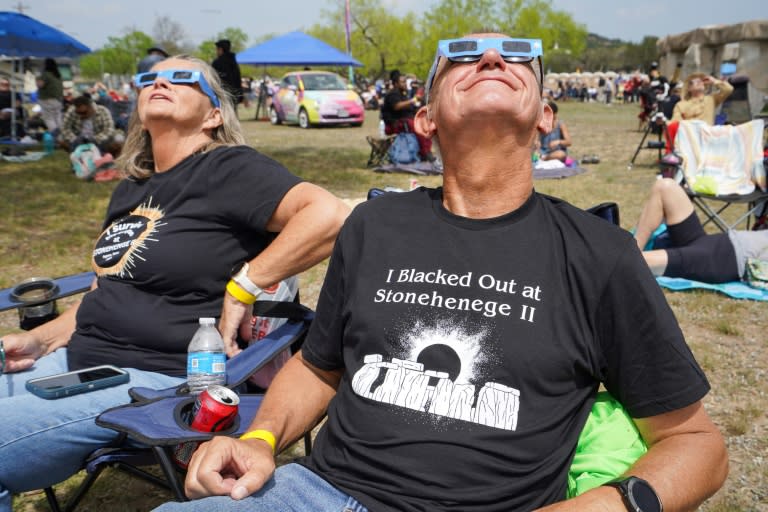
(692, 253)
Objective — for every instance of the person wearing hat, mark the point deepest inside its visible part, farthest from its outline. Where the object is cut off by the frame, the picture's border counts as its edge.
(229, 70)
(696, 103)
(154, 55)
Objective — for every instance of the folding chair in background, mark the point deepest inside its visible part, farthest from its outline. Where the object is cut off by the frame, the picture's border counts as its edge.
(723, 166)
(379, 150)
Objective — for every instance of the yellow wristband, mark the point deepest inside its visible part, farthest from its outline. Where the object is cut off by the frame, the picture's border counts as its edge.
(242, 295)
(264, 435)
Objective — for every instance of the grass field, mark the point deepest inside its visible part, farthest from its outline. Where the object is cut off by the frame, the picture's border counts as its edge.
(49, 220)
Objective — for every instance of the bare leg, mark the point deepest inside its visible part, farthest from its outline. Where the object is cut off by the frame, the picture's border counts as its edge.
(657, 261)
(555, 155)
(668, 203)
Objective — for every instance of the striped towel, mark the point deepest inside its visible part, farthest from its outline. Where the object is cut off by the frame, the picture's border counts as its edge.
(722, 160)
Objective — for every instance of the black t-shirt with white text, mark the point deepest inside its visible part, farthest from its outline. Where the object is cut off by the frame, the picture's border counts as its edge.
(168, 248)
(473, 350)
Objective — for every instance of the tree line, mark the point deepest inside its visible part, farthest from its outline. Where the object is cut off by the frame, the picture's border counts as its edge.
(383, 41)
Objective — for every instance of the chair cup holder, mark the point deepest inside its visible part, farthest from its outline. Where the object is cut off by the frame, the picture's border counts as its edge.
(36, 295)
(183, 416)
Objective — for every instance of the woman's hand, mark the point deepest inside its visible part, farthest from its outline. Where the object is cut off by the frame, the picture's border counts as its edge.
(235, 317)
(21, 351)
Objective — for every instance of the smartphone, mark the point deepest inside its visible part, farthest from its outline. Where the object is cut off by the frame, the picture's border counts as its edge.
(80, 381)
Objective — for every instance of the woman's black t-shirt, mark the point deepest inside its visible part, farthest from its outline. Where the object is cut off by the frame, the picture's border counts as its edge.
(168, 248)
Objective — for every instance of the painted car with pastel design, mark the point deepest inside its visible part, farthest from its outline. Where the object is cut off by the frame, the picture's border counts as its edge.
(311, 98)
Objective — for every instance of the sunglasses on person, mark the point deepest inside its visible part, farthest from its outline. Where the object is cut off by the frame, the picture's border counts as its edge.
(178, 76)
(514, 51)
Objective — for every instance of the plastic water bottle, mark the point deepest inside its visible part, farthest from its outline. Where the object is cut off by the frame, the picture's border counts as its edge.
(206, 360)
(48, 143)
(382, 129)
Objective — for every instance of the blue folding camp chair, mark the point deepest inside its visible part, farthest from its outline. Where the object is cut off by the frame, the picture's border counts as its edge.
(35, 298)
(152, 425)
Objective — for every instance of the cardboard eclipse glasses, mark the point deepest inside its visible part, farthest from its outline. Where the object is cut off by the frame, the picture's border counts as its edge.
(178, 76)
(514, 51)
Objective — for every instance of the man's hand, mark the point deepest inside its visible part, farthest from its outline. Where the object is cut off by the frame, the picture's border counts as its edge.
(21, 351)
(235, 317)
(226, 466)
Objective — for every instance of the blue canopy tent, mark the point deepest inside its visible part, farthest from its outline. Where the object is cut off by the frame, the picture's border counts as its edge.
(293, 49)
(22, 37)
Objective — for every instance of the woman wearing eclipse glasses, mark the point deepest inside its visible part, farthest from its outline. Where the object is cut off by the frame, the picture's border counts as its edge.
(461, 336)
(196, 204)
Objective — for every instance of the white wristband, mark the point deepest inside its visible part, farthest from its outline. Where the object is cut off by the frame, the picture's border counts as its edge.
(242, 279)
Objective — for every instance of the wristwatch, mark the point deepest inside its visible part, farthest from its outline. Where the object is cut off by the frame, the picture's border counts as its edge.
(638, 495)
(240, 276)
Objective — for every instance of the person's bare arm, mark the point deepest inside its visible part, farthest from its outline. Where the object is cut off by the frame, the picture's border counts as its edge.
(686, 463)
(565, 134)
(411, 102)
(307, 219)
(24, 348)
(724, 89)
(295, 402)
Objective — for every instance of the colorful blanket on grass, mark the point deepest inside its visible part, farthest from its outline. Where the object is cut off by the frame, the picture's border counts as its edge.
(736, 289)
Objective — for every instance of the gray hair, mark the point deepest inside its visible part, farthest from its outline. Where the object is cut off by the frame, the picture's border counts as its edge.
(136, 158)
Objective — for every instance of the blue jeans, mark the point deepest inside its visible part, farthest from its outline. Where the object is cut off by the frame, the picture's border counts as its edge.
(43, 442)
(292, 488)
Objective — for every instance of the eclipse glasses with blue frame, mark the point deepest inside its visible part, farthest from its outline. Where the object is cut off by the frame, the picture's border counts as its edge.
(178, 76)
(514, 51)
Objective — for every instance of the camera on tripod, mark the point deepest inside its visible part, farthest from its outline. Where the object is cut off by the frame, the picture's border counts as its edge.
(657, 125)
(657, 121)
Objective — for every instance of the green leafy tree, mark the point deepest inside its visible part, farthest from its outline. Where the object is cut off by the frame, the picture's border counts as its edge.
(118, 57)
(236, 36)
(450, 19)
(207, 49)
(640, 56)
(379, 40)
(560, 34)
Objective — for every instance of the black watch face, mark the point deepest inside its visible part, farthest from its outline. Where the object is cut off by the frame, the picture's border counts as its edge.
(644, 496)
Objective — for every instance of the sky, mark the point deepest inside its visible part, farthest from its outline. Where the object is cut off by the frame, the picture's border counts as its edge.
(92, 22)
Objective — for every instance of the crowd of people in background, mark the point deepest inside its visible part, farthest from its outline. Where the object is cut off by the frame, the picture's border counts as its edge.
(654, 93)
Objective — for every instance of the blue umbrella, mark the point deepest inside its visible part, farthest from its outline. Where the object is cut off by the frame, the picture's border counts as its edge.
(22, 36)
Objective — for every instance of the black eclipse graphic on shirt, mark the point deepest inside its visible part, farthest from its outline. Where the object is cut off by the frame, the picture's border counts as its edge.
(117, 247)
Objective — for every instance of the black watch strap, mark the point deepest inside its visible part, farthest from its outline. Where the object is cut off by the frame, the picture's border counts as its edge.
(638, 495)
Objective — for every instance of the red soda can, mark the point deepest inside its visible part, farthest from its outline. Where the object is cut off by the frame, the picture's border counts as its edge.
(215, 410)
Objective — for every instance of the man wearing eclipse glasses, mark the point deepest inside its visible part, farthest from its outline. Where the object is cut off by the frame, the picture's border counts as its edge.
(462, 333)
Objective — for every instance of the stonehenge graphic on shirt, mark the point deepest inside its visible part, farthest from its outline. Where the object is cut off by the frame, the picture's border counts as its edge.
(435, 378)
